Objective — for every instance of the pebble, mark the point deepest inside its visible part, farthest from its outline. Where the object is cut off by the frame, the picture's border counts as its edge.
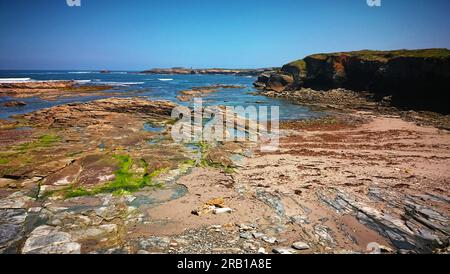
(270, 240)
(300, 245)
(249, 246)
(222, 210)
(258, 235)
(283, 250)
(246, 235)
(143, 252)
(262, 250)
(245, 227)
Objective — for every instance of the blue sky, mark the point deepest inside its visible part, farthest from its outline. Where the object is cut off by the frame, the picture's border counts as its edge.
(141, 34)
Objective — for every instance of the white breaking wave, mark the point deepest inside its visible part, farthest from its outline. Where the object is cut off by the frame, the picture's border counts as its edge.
(15, 80)
(82, 72)
(165, 79)
(120, 83)
(82, 81)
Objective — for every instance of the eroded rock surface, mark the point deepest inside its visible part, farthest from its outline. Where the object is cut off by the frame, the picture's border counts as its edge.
(89, 178)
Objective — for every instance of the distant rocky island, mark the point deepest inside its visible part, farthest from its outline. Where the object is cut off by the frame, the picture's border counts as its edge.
(416, 79)
(181, 70)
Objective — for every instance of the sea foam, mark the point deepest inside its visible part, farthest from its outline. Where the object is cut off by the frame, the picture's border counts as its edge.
(15, 80)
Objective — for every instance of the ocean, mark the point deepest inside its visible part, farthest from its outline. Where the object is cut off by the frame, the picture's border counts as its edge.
(154, 87)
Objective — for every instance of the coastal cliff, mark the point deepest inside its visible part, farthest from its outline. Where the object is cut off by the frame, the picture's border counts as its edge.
(415, 79)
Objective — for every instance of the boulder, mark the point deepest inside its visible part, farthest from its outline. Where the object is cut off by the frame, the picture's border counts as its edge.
(15, 104)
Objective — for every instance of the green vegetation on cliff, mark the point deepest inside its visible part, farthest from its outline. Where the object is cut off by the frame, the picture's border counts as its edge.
(377, 55)
(300, 64)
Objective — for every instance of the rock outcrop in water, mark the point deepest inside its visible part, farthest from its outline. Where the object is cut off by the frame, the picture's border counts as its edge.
(238, 72)
(51, 90)
(417, 79)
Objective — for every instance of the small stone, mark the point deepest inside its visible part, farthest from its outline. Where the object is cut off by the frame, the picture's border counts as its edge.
(246, 235)
(56, 222)
(249, 246)
(283, 250)
(300, 245)
(262, 250)
(244, 227)
(257, 235)
(385, 249)
(34, 209)
(270, 240)
(222, 210)
(143, 252)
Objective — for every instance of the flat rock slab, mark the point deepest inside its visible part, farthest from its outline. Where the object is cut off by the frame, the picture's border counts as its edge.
(50, 240)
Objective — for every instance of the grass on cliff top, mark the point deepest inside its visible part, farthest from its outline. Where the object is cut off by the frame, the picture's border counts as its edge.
(375, 55)
(300, 64)
(125, 181)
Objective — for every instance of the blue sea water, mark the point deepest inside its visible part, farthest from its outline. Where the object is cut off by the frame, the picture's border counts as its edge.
(154, 87)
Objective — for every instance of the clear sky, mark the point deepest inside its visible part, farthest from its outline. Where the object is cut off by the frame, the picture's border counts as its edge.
(141, 34)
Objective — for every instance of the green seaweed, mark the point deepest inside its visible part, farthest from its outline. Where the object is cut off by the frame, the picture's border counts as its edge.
(42, 142)
(4, 161)
(125, 181)
(204, 162)
(78, 192)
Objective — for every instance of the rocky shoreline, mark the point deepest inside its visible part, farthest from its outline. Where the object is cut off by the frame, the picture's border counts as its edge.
(342, 100)
(105, 177)
(408, 79)
(52, 90)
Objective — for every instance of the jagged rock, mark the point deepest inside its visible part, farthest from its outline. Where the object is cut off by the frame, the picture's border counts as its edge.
(11, 227)
(407, 78)
(16, 200)
(324, 235)
(271, 200)
(100, 111)
(418, 229)
(50, 240)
